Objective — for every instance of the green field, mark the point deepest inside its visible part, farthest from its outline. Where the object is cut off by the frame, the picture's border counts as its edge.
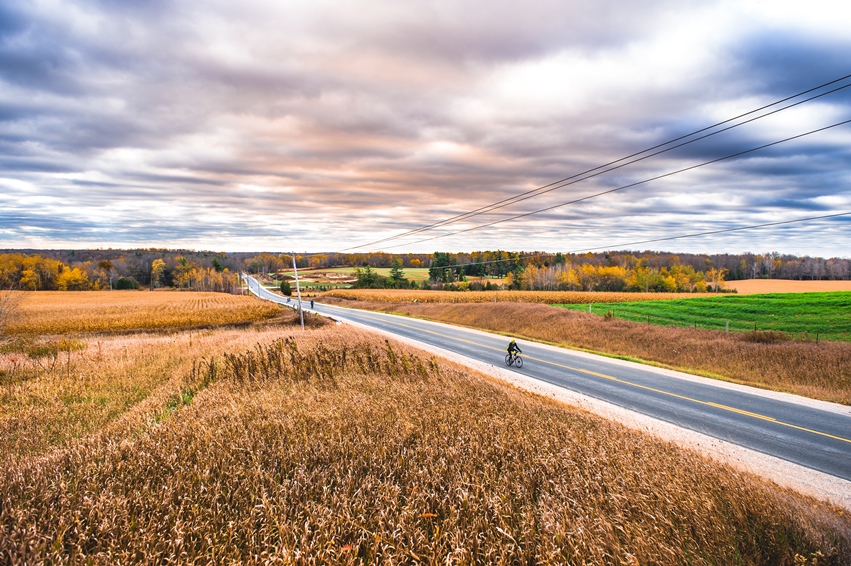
(314, 285)
(411, 273)
(806, 315)
(310, 286)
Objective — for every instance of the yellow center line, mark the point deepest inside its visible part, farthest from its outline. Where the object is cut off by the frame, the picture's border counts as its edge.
(618, 380)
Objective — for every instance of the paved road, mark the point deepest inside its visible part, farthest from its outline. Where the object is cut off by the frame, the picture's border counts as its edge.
(812, 434)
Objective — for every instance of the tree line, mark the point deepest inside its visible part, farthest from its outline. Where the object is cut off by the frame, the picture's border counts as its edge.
(36, 272)
(216, 271)
(499, 263)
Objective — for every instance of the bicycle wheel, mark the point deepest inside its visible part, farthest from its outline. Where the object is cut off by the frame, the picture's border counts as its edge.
(518, 361)
(508, 360)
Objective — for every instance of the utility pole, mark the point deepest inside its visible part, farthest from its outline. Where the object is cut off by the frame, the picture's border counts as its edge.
(298, 293)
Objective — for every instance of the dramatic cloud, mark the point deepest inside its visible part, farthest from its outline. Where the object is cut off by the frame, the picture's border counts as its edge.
(317, 126)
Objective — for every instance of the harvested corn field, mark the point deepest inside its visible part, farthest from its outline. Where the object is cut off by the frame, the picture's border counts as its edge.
(334, 446)
(57, 312)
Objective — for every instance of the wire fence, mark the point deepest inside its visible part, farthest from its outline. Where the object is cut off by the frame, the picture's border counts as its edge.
(803, 330)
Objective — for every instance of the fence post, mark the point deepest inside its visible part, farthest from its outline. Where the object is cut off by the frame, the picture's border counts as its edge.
(589, 308)
(727, 327)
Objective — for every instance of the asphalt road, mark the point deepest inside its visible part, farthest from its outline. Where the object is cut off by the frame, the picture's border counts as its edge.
(811, 434)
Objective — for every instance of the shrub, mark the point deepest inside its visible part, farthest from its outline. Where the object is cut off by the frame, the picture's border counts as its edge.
(765, 336)
(125, 283)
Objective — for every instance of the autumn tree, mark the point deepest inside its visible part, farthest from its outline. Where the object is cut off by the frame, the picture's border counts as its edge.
(715, 277)
(157, 269)
(73, 279)
(317, 260)
(106, 269)
(183, 269)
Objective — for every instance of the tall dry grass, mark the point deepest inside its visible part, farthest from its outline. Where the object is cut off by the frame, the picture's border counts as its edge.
(58, 312)
(51, 395)
(816, 370)
(546, 297)
(338, 447)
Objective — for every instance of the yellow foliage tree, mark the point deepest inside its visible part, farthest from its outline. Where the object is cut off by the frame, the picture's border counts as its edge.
(157, 268)
(72, 280)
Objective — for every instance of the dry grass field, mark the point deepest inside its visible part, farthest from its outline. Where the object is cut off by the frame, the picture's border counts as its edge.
(57, 312)
(762, 286)
(544, 297)
(50, 397)
(817, 370)
(335, 446)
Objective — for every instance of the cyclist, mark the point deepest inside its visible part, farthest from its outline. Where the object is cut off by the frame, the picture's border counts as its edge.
(513, 348)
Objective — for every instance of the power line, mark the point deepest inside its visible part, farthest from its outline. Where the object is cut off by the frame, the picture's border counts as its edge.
(573, 180)
(720, 231)
(669, 174)
(602, 168)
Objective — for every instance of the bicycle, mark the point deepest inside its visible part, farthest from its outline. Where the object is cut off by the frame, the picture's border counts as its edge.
(516, 360)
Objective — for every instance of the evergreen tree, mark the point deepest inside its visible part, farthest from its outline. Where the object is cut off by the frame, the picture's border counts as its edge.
(397, 276)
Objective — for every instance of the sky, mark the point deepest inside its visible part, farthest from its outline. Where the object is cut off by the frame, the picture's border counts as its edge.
(330, 125)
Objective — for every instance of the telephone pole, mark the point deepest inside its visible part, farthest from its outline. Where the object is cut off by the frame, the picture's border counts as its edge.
(298, 293)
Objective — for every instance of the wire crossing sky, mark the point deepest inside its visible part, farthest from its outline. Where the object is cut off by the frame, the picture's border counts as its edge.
(617, 164)
(638, 183)
(317, 126)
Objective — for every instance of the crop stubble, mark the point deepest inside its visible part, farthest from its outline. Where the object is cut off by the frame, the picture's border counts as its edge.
(57, 312)
(336, 446)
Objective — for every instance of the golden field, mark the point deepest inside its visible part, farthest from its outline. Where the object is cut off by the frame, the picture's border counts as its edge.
(270, 445)
(544, 297)
(57, 312)
(817, 370)
(52, 396)
(762, 286)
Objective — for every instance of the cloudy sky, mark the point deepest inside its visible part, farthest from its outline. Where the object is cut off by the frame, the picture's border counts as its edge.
(322, 125)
